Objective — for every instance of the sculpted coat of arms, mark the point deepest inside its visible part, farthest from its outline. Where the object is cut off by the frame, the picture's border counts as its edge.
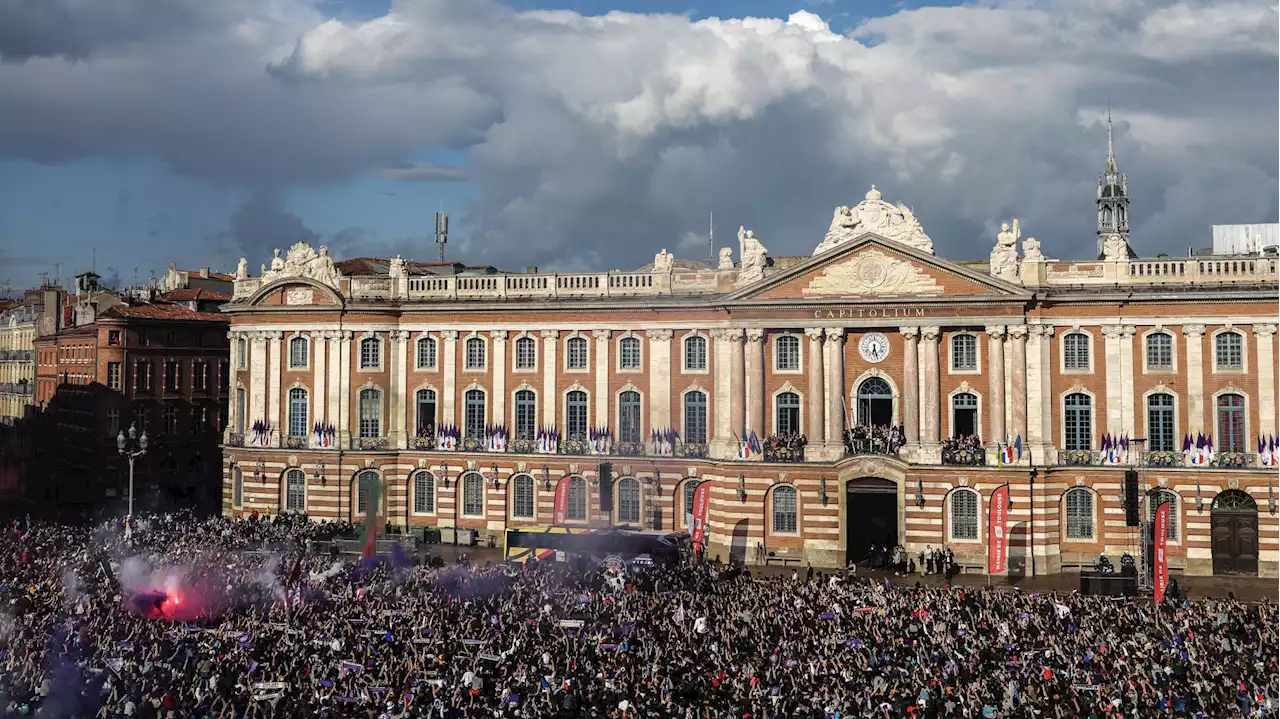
(875, 216)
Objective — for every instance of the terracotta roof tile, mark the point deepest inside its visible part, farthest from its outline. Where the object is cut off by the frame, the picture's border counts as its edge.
(212, 275)
(161, 311)
(188, 294)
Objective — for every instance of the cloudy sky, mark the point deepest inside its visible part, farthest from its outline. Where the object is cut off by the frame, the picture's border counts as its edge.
(590, 134)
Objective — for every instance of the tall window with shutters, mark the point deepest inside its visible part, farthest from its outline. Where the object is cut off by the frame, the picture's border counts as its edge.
(575, 414)
(629, 416)
(964, 515)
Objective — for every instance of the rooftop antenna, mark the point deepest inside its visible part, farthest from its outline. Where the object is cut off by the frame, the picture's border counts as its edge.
(57, 266)
(442, 232)
(44, 279)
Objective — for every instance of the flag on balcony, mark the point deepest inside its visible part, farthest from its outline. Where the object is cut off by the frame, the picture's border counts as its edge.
(1209, 454)
(755, 443)
(1017, 444)
(1264, 452)
(744, 447)
(1197, 455)
(1186, 443)
(1274, 444)
(1006, 453)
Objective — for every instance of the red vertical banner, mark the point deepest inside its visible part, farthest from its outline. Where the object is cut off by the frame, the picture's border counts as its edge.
(997, 532)
(1161, 530)
(562, 500)
(701, 500)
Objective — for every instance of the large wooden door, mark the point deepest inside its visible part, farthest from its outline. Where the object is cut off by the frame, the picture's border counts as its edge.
(871, 516)
(1234, 527)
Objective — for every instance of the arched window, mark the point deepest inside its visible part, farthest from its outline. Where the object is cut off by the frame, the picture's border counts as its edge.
(1160, 422)
(1230, 423)
(1077, 421)
(964, 515)
(787, 352)
(964, 353)
(472, 495)
(695, 417)
(237, 487)
(964, 414)
(1157, 497)
(1079, 506)
(1075, 351)
(370, 353)
(370, 413)
(298, 426)
(424, 493)
(575, 353)
(475, 413)
(1228, 350)
(575, 414)
(628, 501)
(695, 353)
(242, 347)
(1159, 351)
(295, 491)
(426, 411)
(364, 481)
(577, 510)
(784, 510)
(426, 353)
(522, 496)
(875, 403)
(629, 353)
(298, 352)
(526, 414)
(475, 353)
(787, 413)
(629, 416)
(526, 353)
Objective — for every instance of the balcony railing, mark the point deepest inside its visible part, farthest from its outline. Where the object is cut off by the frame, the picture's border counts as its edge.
(693, 450)
(235, 439)
(1235, 460)
(370, 443)
(784, 448)
(883, 447)
(1078, 457)
(297, 442)
(1164, 458)
(423, 443)
(964, 456)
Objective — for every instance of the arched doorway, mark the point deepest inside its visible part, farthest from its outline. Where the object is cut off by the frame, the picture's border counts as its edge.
(875, 403)
(1234, 525)
(870, 517)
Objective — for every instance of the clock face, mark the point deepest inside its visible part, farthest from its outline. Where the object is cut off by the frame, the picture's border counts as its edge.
(874, 347)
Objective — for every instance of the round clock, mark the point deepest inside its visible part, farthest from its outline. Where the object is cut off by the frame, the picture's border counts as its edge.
(874, 347)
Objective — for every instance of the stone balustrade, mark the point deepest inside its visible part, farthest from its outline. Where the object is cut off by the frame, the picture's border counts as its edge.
(1158, 271)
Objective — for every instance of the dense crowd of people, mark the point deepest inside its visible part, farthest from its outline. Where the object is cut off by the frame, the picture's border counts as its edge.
(234, 619)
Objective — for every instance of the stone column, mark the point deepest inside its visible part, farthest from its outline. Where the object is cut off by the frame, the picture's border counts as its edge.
(1266, 373)
(817, 384)
(1040, 399)
(1017, 399)
(737, 380)
(318, 367)
(755, 381)
(336, 375)
(396, 404)
(659, 380)
(602, 416)
(273, 366)
(911, 385)
(929, 432)
(550, 366)
(233, 418)
(1127, 424)
(499, 341)
(1111, 356)
(835, 388)
(995, 387)
(449, 394)
(1194, 335)
(344, 396)
(723, 445)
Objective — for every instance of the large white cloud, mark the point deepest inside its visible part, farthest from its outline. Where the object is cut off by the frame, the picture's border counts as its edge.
(598, 140)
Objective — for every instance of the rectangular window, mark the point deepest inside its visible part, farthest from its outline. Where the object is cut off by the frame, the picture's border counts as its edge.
(243, 353)
(575, 415)
(142, 376)
(113, 337)
(170, 420)
(113, 422)
(629, 353)
(526, 353)
(523, 497)
(577, 353)
(475, 413)
(964, 353)
(475, 353)
(113, 375)
(200, 375)
(370, 353)
(788, 347)
(1159, 351)
(224, 376)
(197, 420)
(526, 415)
(370, 413)
(298, 353)
(172, 378)
(426, 353)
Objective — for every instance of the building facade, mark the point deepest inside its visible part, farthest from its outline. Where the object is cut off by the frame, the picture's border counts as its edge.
(890, 391)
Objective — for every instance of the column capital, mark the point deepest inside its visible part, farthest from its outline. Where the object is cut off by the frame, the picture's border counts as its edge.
(344, 336)
(814, 333)
(550, 334)
(449, 335)
(911, 333)
(661, 335)
(1128, 331)
(1193, 330)
(1017, 332)
(1110, 331)
(835, 334)
(930, 333)
(755, 334)
(399, 335)
(498, 335)
(601, 335)
(1045, 331)
(997, 332)
(1264, 330)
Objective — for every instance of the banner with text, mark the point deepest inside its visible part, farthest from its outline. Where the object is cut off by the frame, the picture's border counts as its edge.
(562, 500)
(997, 536)
(701, 500)
(1162, 558)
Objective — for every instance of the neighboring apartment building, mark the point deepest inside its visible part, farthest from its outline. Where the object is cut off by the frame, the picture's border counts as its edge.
(442, 386)
(17, 361)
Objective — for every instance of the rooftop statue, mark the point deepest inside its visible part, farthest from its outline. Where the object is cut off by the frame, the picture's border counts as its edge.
(875, 215)
(302, 261)
(1004, 256)
(753, 255)
(663, 261)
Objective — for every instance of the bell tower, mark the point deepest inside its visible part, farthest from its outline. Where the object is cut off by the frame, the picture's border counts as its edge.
(1113, 196)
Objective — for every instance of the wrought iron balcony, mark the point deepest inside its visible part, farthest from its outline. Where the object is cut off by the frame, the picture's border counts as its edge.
(1164, 458)
(523, 446)
(692, 450)
(630, 449)
(423, 442)
(1235, 460)
(370, 443)
(297, 442)
(1078, 457)
(965, 456)
(853, 447)
(784, 448)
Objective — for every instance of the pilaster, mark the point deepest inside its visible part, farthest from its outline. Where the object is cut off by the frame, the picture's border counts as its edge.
(737, 379)
(319, 366)
(1263, 337)
(1115, 379)
(1128, 425)
(601, 418)
(550, 368)
(911, 386)
(817, 385)
(755, 398)
(336, 384)
(1194, 340)
(1040, 398)
(344, 396)
(659, 379)
(273, 366)
(723, 445)
(930, 450)
(995, 387)
(498, 338)
(396, 409)
(834, 431)
(1016, 400)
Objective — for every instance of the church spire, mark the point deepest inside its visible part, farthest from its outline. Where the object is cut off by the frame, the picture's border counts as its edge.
(1113, 195)
(1111, 147)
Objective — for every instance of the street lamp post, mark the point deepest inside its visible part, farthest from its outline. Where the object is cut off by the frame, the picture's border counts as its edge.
(131, 448)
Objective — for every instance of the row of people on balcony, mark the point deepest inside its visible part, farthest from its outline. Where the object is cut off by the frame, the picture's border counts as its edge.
(875, 439)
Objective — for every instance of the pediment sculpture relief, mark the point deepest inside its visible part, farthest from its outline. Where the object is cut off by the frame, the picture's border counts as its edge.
(303, 261)
(876, 216)
(873, 273)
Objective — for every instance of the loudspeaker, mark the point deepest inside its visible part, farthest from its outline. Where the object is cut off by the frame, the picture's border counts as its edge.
(605, 472)
(1131, 498)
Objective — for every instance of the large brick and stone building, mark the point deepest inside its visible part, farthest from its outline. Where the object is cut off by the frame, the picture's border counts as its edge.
(808, 354)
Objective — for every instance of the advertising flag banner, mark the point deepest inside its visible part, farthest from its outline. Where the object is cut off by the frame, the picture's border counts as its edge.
(997, 536)
(562, 500)
(1162, 556)
(701, 498)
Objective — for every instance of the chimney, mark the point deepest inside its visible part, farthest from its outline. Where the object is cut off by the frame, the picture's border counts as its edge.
(531, 270)
(204, 272)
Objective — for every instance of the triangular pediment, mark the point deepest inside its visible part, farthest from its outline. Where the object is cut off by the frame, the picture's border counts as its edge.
(873, 267)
